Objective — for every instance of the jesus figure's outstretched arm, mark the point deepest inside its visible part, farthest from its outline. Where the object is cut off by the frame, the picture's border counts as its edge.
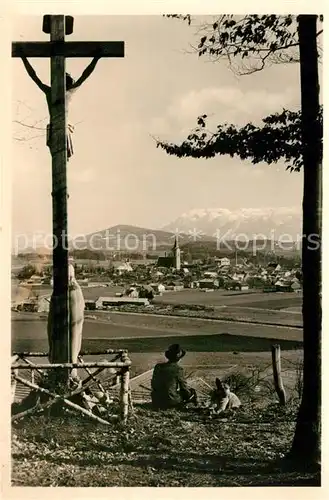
(87, 72)
(31, 72)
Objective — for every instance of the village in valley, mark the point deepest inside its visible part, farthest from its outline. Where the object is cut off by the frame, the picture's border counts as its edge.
(171, 356)
(138, 283)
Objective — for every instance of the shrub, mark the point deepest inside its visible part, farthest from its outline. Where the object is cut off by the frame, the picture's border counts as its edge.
(241, 384)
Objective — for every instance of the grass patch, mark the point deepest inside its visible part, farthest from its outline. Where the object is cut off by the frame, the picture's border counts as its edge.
(196, 343)
(168, 448)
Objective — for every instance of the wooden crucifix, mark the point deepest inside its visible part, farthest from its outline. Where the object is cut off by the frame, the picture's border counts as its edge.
(62, 86)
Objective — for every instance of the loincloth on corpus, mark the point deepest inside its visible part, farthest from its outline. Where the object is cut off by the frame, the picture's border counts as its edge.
(69, 142)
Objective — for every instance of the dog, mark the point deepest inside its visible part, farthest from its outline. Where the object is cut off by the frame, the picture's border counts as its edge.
(223, 399)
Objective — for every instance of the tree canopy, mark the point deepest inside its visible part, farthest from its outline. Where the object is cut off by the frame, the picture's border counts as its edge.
(248, 43)
(278, 138)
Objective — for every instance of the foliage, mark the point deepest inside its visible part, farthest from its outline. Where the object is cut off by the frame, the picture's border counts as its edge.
(146, 294)
(48, 271)
(27, 272)
(256, 382)
(241, 384)
(186, 17)
(248, 42)
(54, 381)
(87, 254)
(278, 138)
(255, 282)
(251, 35)
(249, 386)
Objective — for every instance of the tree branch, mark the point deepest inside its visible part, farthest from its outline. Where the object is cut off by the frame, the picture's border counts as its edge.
(29, 126)
(250, 36)
(279, 138)
(25, 139)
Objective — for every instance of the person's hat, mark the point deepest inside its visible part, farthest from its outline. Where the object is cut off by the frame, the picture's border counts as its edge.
(175, 352)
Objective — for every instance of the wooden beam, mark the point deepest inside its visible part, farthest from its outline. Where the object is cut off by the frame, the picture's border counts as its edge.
(124, 394)
(69, 21)
(82, 353)
(60, 335)
(61, 398)
(91, 364)
(68, 49)
(43, 406)
(92, 375)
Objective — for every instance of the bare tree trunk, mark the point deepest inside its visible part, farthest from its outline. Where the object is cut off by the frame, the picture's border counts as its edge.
(306, 445)
(278, 382)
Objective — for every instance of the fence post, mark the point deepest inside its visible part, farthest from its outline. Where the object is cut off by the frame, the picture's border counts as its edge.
(13, 385)
(14, 359)
(124, 394)
(278, 384)
(124, 390)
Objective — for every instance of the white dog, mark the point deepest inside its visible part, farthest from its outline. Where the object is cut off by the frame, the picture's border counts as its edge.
(222, 397)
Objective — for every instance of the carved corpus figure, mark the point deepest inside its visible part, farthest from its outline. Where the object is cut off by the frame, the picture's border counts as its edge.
(71, 87)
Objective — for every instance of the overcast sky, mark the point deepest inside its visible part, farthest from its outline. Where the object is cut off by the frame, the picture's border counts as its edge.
(117, 175)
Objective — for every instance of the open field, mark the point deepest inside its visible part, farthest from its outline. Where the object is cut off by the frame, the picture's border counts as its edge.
(290, 316)
(294, 310)
(146, 337)
(226, 313)
(273, 308)
(131, 329)
(250, 298)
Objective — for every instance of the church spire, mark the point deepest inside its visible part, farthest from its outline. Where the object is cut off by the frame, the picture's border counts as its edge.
(176, 245)
(176, 252)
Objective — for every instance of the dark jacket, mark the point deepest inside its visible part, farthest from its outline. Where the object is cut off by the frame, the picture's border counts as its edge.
(169, 387)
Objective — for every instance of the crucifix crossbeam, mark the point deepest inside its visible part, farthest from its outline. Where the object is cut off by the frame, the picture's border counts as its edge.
(57, 96)
(68, 49)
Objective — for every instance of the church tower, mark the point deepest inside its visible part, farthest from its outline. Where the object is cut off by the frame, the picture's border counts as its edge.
(177, 256)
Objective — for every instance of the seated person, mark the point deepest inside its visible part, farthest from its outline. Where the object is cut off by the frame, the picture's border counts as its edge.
(169, 388)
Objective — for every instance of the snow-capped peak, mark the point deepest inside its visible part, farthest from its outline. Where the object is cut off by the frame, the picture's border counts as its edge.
(248, 221)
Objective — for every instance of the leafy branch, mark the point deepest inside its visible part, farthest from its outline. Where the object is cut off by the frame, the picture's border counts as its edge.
(278, 138)
(248, 42)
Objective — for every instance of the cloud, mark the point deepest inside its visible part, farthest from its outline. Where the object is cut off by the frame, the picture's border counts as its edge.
(222, 104)
(231, 100)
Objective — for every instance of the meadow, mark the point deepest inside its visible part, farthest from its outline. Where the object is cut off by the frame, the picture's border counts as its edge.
(174, 448)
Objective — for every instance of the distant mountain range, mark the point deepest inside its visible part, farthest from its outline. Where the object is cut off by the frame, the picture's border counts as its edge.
(124, 237)
(270, 223)
(197, 225)
(127, 238)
